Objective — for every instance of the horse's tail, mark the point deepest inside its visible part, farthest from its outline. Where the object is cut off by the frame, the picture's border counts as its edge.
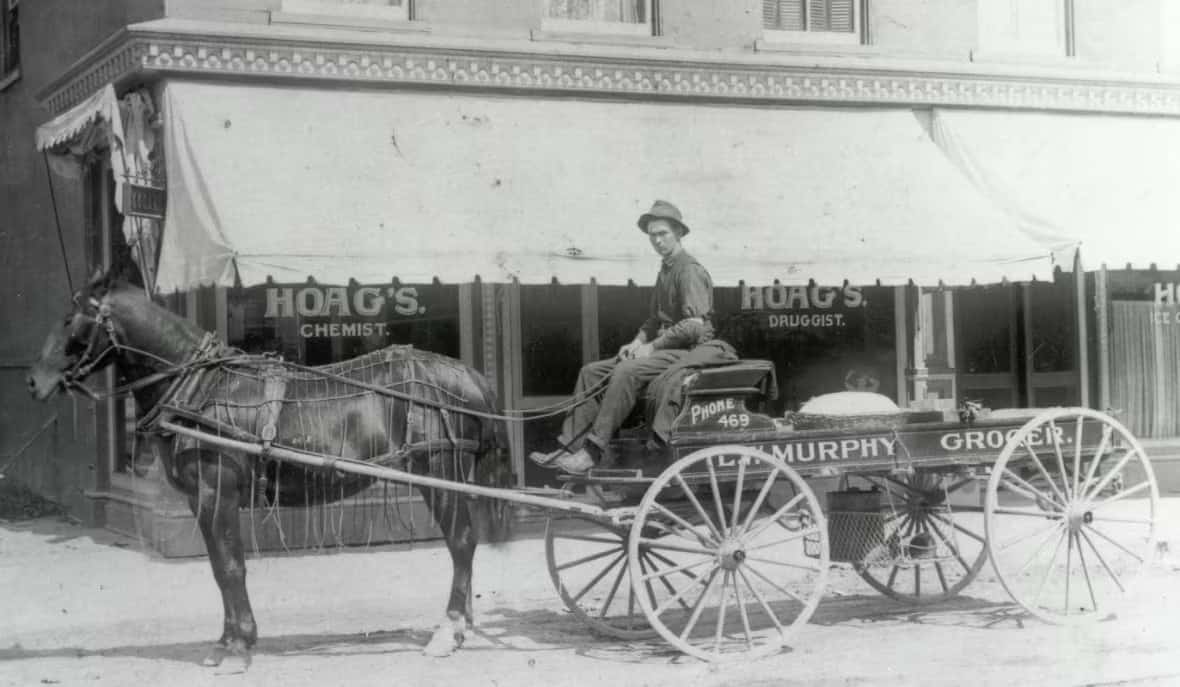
(493, 467)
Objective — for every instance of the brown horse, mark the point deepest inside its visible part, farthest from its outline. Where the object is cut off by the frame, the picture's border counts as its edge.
(433, 403)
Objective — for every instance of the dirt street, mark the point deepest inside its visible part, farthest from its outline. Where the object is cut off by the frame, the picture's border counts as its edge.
(85, 607)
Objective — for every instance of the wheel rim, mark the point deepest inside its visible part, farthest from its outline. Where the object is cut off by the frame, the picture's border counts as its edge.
(589, 567)
(1070, 528)
(742, 585)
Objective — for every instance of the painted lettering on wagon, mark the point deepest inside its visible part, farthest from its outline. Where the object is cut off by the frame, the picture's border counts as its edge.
(994, 439)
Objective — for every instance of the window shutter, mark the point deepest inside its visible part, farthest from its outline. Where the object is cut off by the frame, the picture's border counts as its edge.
(783, 15)
(830, 15)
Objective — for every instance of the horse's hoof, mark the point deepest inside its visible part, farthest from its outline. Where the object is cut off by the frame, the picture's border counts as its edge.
(444, 642)
(227, 660)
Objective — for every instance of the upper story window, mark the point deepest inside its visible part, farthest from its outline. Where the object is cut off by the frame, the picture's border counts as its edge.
(9, 41)
(631, 17)
(391, 10)
(827, 21)
(1026, 28)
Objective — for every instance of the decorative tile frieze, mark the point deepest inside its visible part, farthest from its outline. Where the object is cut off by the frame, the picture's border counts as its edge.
(641, 74)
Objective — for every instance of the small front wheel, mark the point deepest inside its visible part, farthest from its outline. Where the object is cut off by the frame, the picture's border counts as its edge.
(745, 577)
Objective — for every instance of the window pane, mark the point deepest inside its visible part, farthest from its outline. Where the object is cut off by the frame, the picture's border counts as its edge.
(782, 15)
(621, 311)
(985, 318)
(625, 11)
(1052, 326)
(551, 339)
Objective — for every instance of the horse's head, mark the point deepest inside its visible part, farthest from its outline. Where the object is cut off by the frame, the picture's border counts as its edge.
(79, 345)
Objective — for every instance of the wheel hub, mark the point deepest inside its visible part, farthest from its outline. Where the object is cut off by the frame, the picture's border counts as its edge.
(731, 554)
(1077, 515)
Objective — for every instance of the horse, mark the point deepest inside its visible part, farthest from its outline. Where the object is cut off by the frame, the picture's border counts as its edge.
(175, 370)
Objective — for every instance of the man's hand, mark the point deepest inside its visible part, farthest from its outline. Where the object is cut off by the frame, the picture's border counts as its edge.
(643, 351)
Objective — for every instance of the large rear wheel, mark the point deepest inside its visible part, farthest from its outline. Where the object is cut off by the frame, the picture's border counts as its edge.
(1070, 514)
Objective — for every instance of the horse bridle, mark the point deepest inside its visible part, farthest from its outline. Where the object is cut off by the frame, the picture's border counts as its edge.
(88, 360)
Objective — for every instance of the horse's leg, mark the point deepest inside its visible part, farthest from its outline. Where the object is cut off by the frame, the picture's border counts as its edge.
(215, 502)
(451, 514)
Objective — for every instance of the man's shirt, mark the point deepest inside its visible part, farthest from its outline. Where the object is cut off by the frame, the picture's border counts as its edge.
(681, 305)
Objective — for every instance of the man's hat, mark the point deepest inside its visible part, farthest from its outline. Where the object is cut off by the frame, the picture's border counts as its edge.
(662, 209)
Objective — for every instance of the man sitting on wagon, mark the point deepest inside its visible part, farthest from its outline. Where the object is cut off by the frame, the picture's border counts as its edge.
(678, 333)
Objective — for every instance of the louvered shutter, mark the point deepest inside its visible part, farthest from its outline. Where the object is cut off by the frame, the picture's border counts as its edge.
(782, 15)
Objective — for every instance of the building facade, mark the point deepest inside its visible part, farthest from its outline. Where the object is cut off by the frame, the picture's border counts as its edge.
(853, 106)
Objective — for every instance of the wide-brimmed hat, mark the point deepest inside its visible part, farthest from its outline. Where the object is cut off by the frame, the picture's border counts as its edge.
(662, 209)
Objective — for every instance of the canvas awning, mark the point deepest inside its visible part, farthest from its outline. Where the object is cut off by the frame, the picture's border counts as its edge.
(289, 183)
(1110, 183)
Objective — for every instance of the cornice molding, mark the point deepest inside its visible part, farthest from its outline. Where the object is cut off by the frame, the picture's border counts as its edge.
(604, 72)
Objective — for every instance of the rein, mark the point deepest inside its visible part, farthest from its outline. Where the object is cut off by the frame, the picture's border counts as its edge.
(206, 355)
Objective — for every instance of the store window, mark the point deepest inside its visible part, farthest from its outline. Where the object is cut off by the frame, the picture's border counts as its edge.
(836, 21)
(314, 324)
(551, 339)
(1025, 28)
(9, 42)
(820, 339)
(633, 17)
(621, 311)
(986, 336)
(393, 10)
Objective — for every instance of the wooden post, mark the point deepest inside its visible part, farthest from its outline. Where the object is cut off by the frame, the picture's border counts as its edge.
(1083, 356)
(1102, 306)
(901, 344)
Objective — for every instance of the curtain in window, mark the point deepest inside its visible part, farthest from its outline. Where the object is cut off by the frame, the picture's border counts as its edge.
(809, 15)
(627, 11)
(1145, 368)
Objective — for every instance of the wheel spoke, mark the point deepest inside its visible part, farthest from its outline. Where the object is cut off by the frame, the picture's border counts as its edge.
(1107, 431)
(774, 518)
(768, 581)
(762, 494)
(678, 569)
(907, 487)
(892, 577)
(1045, 473)
(598, 578)
(794, 537)
(1053, 431)
(1102, 534)
(616, 541)
(700, 538)
(721, 614)
(1028, 513)
(937, 531)
(587, 559)
(1111, 475)
(1040, 546)
(1098, 554)
(1025, 489)
(679, 596)
(614, 588)
(700, 510)
(668, 561)
(1049, 568)
(681, 548)
(737, 496)
(663, 578)
(699, 606)
(1121, 495)
(1086, 571)
(1129, 521)
(651, 593)
(784, 564)
(741, 604)
(959, 485)
(1025, 537)
(762, 601)
(941, 577)
(903, 495)
(1068, 566)
(960, 528)
(1077, 457)
(721, 521)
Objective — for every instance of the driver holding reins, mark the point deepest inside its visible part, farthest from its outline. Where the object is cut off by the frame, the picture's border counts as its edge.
(678, 332)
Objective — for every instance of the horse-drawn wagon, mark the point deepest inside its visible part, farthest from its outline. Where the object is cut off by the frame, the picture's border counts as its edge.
(718, 543)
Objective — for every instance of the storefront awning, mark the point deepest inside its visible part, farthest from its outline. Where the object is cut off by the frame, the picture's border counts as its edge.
(291, 183)
(1110, 183)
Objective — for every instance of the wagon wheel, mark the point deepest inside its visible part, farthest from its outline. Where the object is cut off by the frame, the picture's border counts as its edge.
(742, 584)
(946, 544)
(1070, 514)
(588, 565)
